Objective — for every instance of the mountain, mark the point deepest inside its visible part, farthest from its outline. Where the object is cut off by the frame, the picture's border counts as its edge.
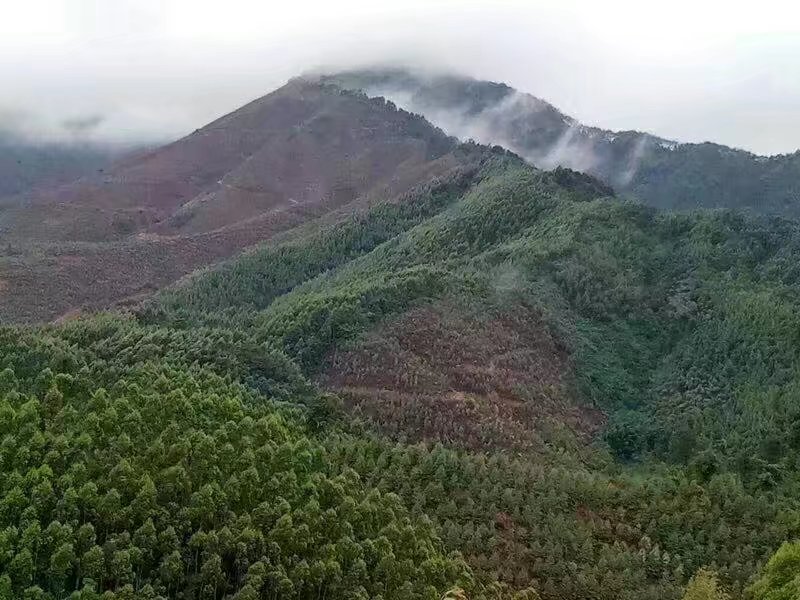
(654, 170)
(26, 165)
(301, 152)
(436, 372)
(602, 391)
(299, 146)
(503, 384)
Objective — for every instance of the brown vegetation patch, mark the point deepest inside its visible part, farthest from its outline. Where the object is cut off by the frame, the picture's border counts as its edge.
(480, 382)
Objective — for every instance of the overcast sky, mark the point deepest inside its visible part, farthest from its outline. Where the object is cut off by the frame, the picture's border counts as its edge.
(692, 70)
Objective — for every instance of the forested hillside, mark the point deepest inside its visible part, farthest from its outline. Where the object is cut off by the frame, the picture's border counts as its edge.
(650, 169)
(500, 383)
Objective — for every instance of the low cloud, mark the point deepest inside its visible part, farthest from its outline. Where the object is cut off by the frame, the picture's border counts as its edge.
(158, 69)
(522, 123)
(23, 127)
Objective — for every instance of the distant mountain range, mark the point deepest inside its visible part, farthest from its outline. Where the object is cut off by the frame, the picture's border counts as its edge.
(657, 171)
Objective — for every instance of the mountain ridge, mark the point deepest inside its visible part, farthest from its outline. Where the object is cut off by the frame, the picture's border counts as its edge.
(286, 158)
(658, 171)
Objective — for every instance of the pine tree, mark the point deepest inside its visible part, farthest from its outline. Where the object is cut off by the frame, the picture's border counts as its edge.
(705, 586)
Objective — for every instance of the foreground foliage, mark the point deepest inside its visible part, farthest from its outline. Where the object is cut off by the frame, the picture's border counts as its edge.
(781, 577)
(182, 484)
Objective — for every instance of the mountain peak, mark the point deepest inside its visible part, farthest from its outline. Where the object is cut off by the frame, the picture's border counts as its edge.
(303, 151)
(644, 166)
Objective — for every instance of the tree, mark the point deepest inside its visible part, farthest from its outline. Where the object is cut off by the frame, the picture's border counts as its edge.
(6, 590)
(171, 569)
(145, 538)
(22, 568)
(211, 574)
(781, 577)
(35, 593)
(93, 564)
(61, 563)
(325, 409)
(121, 567)
(705, 586)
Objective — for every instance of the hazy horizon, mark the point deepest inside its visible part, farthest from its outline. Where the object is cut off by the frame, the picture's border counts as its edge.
(149, 71)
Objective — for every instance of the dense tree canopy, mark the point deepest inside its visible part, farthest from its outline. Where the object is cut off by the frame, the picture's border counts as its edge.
(180, 483)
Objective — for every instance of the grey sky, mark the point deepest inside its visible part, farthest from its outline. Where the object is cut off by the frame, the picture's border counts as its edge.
(156, 69)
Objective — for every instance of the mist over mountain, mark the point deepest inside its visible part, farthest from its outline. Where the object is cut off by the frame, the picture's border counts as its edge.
(661, 172)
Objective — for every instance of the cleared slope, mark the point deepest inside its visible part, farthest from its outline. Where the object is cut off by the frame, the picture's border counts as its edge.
(304, 142)
(440, 373)
(288, 158)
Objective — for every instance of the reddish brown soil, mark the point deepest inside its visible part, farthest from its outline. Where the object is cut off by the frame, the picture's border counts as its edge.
(295, 155)
(477, 382)
(304, 144)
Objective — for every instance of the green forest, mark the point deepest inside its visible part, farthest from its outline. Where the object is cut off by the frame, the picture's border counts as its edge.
(203, 445)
